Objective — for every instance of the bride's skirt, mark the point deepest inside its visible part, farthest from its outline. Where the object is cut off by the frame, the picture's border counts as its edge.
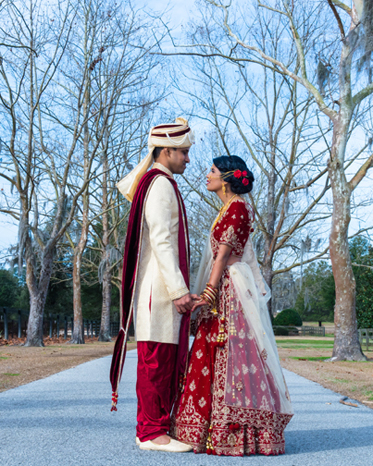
(201, 416)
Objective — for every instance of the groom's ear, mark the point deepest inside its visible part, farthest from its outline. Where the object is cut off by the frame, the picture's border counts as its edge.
(169, 150)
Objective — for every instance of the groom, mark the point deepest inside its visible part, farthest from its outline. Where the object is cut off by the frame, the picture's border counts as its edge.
(155, 284)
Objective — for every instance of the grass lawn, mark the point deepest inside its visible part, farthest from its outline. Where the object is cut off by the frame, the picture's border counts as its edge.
(304, 356)
(308, 357)
(300, 343)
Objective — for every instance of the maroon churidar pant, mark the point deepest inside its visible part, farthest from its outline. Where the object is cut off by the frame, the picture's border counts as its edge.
(155, 388)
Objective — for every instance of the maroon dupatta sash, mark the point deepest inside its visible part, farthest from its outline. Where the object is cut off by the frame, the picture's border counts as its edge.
(130, 268)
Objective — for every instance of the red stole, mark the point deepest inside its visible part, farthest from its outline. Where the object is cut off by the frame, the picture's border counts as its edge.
(130, 267)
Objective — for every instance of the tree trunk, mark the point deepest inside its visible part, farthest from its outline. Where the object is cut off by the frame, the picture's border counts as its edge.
(267, 267)
(267, 273)
(346, 341)
(38, 295)
(106, 278)
(35, 321)
(106, 303)
(78, 333)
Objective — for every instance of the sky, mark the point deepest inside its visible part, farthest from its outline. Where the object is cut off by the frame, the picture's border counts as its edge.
(178, 13)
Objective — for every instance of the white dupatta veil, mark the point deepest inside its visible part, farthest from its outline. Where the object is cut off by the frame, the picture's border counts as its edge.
(253, 294)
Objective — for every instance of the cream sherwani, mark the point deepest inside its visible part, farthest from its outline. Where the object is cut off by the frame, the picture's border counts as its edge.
(159, 279)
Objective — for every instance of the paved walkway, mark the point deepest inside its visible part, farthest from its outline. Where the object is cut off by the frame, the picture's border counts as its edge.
(65, 420)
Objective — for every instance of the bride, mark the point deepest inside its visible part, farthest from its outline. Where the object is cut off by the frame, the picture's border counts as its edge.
(235, 400)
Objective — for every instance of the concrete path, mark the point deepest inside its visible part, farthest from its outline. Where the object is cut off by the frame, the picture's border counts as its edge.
(65, 420)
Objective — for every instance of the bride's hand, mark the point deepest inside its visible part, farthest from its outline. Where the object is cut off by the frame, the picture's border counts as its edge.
(199, 302)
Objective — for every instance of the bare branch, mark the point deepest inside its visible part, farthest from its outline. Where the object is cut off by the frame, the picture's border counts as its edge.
(338, 18)
(360, 174)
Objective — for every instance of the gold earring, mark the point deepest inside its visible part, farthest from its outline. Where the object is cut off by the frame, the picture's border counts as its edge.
(224, 190)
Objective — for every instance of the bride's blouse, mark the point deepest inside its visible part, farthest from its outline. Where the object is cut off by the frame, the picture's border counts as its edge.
(233, 228)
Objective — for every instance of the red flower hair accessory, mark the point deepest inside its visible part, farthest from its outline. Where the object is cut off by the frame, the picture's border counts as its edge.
(244, 173)
(245, 181)
(237, 174)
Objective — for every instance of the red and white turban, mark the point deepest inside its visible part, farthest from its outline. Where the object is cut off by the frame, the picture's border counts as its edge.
(176, 135)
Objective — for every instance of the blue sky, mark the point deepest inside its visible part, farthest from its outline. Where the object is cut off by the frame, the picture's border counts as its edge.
(178, 12)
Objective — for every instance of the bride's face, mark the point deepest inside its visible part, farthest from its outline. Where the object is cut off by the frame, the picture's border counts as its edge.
(214, 182)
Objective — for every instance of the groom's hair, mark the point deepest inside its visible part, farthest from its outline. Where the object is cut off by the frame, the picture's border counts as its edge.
(157, 151)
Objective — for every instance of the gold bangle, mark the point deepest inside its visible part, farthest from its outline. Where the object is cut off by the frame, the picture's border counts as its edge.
(208, 285)
(211, 288)
(207, 298)
(211, 295)
(209, 292)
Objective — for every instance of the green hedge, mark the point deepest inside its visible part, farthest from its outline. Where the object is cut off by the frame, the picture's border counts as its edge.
(281, 331)
(288, 317)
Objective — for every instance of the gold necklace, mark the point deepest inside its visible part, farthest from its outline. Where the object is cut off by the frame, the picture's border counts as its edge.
(222, 211)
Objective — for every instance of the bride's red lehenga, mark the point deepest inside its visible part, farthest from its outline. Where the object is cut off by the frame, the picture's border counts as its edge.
(229, 409)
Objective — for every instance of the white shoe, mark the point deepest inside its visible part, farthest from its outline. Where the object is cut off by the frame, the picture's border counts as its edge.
(137, 441)
(173, 446)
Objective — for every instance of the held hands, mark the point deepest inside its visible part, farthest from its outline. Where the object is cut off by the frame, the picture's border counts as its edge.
(189, 302)
(198, 302)
(184, 304)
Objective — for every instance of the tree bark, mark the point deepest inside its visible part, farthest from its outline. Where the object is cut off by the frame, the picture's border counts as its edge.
(267, 266)
(267, 271)
(106, 304)
(346, 341)
(78, 333)
(38, 296)
(77, 336)
(106, 279)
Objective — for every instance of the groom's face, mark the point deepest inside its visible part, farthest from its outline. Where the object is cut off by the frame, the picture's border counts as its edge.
(178, 159)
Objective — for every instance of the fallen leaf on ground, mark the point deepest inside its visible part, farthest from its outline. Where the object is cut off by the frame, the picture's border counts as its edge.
(348, 403)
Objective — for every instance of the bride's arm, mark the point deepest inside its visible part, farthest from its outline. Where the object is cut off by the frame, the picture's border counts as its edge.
(217, 270)
(220, 264)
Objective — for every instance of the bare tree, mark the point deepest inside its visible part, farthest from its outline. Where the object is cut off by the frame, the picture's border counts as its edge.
(110, 53)
(42, 142)
(342, 105)
(262, 116)
(33, 163)
(138, 92)
(79, 91)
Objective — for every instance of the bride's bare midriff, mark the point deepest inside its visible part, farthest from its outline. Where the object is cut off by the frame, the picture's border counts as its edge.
(233, 259)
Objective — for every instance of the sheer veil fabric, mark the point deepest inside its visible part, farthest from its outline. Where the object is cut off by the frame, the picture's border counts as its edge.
(249, 293)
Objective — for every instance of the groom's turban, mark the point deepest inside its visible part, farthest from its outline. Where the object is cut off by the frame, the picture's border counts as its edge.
(177, 135)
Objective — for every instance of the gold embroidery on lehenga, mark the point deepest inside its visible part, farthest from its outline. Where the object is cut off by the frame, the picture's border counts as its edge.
(253, 369)
(232, 440)
(262, 429)
(264, 354)
(202, 402)
(242, 334)
(239, 386)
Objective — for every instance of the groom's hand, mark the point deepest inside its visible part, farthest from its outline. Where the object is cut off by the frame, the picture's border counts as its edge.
(184, 304)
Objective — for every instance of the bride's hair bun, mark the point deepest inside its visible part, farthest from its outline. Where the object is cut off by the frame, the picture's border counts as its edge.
(237, 174)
